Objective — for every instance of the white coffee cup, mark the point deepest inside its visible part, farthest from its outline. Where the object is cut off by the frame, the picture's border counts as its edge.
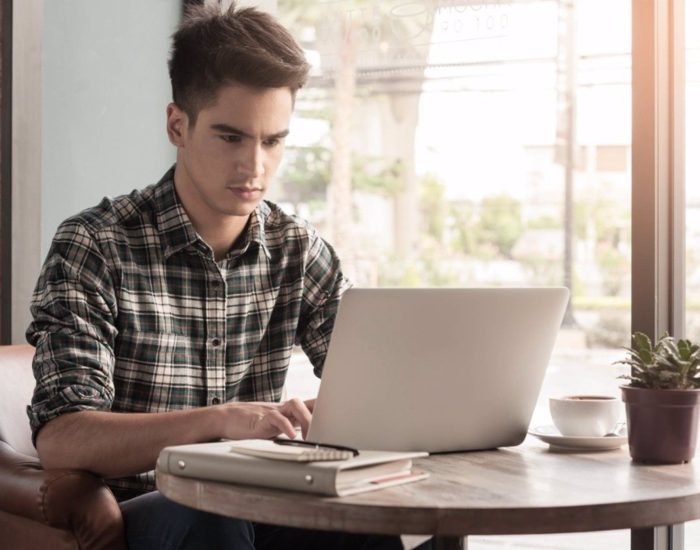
(585, 415)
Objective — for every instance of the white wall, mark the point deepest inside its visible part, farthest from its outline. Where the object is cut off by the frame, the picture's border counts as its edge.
(105, 89)
(90, 77)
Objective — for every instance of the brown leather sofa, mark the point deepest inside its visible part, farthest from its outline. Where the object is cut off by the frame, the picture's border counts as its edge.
(45, 509)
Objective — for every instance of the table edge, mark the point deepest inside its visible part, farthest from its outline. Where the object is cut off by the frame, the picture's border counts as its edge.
(340, 514)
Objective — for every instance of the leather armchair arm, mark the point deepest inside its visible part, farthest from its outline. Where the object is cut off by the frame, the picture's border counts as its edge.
(73, 500)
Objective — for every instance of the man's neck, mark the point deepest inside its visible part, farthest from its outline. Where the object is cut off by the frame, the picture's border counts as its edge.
(220, 232)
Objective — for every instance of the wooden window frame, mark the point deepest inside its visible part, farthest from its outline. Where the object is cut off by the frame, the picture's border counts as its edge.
(5, 171)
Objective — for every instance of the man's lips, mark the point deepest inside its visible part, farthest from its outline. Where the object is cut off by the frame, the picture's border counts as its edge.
(248, 193)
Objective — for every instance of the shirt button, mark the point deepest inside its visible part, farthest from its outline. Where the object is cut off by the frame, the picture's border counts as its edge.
(216, 342)
(215, 401)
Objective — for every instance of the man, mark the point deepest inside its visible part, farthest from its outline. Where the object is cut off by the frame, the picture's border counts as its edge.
(168, 316)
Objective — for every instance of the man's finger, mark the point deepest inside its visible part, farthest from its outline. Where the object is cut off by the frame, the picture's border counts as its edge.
(281, 423)
(297, 410)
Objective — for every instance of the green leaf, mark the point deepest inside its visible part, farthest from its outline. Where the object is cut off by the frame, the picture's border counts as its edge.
(668, 364)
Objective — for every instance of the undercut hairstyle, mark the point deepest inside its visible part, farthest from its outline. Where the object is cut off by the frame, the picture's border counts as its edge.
(244, 46)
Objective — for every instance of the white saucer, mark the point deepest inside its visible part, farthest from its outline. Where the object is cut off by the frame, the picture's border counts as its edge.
(549, 434)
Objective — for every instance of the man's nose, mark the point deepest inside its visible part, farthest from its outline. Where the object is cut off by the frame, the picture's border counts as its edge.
(250, 163)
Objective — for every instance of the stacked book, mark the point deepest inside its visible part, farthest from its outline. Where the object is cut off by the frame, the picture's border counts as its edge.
(298, 467)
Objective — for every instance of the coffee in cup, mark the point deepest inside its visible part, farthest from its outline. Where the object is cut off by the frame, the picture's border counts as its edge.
(585, 415)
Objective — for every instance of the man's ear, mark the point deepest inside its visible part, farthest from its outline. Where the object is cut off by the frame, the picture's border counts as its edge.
(177, 124)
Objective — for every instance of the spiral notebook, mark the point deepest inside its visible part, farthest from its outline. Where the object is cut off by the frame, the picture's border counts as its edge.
(266, 448)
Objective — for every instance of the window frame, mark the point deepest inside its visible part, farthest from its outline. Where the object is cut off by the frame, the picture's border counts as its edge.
(658, 167)
(5, 170)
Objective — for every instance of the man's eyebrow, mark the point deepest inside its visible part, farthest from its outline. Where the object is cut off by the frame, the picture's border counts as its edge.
(226, 129)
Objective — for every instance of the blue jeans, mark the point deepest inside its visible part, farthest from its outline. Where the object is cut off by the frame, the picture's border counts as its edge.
(152, 522)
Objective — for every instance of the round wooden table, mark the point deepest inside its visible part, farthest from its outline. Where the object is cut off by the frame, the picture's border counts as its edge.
(519, 490)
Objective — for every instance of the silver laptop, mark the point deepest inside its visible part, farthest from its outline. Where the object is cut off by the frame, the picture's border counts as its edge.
(436, 369)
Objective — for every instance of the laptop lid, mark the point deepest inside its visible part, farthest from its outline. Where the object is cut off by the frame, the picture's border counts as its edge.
(436, 369)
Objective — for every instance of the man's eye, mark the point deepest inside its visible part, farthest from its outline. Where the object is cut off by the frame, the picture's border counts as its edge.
(231, 138)
(272, 142)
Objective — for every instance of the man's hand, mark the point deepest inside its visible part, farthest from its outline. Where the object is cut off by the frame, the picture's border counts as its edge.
(258, 420)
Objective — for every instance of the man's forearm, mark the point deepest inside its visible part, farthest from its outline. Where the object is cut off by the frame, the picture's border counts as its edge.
(113, 444)
(120, 444)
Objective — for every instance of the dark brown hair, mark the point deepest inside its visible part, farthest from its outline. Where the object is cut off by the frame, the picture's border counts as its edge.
(239, 46)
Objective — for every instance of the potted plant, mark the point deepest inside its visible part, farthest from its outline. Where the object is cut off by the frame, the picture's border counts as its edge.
(662, 399)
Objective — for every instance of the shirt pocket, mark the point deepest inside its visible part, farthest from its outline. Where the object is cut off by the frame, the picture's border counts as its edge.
(157, 371)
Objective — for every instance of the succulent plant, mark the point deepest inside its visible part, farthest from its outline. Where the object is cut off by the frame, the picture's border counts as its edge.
(669, 364)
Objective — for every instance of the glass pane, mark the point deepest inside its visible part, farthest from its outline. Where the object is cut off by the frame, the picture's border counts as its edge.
(474, 144)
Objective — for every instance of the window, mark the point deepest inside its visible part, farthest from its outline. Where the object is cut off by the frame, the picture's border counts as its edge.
(474, 144)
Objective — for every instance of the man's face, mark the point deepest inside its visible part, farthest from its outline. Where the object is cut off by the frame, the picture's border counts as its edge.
(227, 160)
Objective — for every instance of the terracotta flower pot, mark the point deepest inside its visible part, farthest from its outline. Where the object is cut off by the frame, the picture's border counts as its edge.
(662, 425)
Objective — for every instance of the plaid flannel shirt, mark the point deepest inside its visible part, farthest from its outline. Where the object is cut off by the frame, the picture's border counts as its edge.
(133, 314)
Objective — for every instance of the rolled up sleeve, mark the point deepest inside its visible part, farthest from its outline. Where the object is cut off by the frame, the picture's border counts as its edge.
(324, 284)
(73, 329)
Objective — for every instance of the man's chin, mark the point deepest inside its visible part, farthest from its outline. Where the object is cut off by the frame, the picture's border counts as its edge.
(242, 211)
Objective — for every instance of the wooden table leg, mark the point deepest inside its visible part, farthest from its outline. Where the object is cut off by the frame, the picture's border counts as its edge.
(450, 543)
(664, 537)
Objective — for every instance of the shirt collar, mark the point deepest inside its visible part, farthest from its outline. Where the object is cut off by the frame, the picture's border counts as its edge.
(176, 229)
(255, 232)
